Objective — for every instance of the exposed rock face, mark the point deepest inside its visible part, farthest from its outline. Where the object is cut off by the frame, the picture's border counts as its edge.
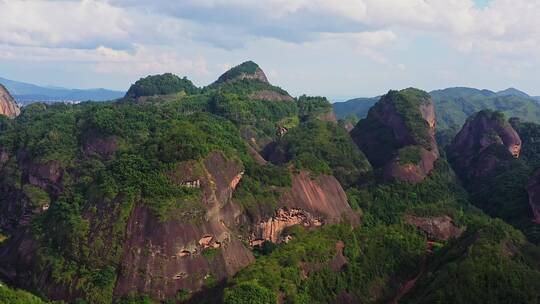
(97, 145)
(248, 70)
(436, 228)
(533, 189)
(398, 136)
(269, 95)
(328, 116)
(47, 176)
(272, 228)
(161, 258)
(8, 106)
(485, 141)
(310, 203)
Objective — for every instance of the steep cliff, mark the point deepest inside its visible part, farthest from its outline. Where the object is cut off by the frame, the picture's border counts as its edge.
(8, 106)
(486, 141)
(310, 203)
(105, 200)
(398, 135)
(533, 189)
(163, 257)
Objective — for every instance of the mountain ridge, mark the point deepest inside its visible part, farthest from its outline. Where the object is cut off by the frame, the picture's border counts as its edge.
(455, 104)
(26, 93)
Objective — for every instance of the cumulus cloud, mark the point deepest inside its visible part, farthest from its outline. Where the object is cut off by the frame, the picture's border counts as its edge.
(139, 36)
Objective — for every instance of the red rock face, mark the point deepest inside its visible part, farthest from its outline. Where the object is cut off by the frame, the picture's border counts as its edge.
(95, 145)
(161, 258)
(533, 189)
(412, 173)
(436, 228)
(310, 203)
(270, 96)
(8, 107)
(468, 151)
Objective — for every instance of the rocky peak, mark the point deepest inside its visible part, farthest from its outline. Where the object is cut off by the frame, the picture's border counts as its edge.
(248, 70)
(398, 135)
(485, 141)
(8, 106)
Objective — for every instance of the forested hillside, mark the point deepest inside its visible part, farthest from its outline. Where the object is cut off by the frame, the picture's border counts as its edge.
(238, 192)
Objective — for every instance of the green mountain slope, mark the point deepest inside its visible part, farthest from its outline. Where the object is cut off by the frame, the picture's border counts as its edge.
(454, 105)
(239, 193)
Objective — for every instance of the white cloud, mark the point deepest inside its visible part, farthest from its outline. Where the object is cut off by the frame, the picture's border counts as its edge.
(129, 37)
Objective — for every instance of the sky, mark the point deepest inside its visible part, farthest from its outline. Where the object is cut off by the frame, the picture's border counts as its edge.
(335, 48)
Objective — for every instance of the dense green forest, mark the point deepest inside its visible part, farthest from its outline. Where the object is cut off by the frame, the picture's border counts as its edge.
(115, 157)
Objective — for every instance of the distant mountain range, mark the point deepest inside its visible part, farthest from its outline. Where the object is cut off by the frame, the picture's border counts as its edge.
(454, 105)
(26, 93)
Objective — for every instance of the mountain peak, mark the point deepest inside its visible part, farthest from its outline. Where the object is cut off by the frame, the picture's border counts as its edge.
(513, 92)
(163, 84)
(248, 70)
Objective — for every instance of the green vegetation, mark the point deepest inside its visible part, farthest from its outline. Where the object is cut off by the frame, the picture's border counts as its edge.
(81, 234)
(385, 251)
(455, 105)
(358, 107)
(249, 293)
(530, 141)
(313, 107)
(115, 156)
(17, 296)
(248, 68)
(164, 84)
(407, 104)
(409, 155)
(380, 141)
(324, 148)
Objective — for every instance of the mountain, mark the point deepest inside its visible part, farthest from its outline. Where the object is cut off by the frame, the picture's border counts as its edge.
(8, 107)
(165, 84)
(487, 155)
(455, 105)
(224, 194)
(398, 135)
(25, 93)
(357, 107)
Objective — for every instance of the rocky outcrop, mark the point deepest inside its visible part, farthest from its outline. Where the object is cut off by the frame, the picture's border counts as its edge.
(439, 228)
(248, 70)
(163, 257)
(328, 116)
(398, 136)
(310, 203)
(47, 176)
(269, 95)
(485, 141)
(533, 189)
(98, 145)
(8, 106)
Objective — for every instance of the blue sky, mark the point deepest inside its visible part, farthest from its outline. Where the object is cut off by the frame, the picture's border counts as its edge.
(339, 49)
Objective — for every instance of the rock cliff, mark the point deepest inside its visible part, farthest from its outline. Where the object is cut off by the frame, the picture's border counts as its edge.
(533, 189)
(248, 70)
(8, 106)
(310, 202)
(398, 136)
(439, 228)
(485, 141)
